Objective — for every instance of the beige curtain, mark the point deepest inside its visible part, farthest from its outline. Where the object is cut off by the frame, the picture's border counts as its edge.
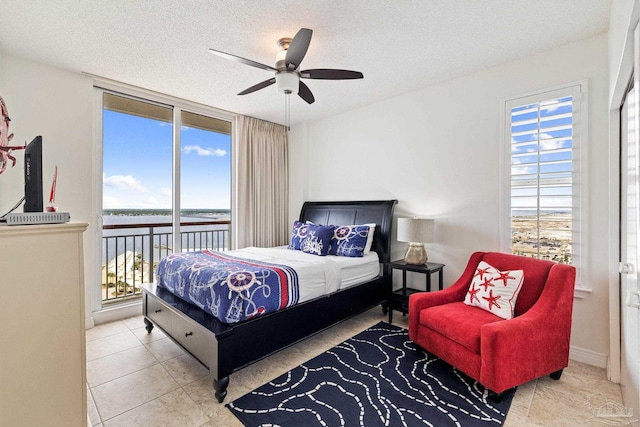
(263, 184)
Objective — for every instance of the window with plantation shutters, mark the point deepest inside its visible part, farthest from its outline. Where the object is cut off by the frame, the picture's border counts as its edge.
(544, 174)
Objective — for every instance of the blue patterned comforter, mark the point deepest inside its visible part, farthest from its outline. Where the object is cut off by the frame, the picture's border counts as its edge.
(230, 288)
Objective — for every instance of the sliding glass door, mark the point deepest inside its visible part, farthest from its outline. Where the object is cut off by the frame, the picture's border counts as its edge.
(166, 187)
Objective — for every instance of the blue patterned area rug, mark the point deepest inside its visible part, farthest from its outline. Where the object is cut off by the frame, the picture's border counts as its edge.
(376, 378)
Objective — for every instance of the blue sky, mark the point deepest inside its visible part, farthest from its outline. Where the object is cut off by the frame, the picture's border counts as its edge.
(137, 165)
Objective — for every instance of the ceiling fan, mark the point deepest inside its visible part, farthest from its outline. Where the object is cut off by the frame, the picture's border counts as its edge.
(287, 69)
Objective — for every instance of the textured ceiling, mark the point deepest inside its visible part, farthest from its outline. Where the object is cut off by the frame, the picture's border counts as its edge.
(400, 46)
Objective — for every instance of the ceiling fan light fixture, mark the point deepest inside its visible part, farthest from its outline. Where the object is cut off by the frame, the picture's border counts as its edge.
(287, 82)
(283, 44)
(280, 57)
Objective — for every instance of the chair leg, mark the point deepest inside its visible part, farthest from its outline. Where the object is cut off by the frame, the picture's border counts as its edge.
(556, 375)
(495, 397)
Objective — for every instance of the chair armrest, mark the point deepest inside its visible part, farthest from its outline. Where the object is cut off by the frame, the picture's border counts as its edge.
(534, 344)
(455, 292)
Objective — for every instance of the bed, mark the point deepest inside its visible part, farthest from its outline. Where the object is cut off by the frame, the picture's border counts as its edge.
(226, 347)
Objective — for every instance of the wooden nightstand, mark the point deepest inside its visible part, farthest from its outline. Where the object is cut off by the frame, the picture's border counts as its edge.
(399, 299)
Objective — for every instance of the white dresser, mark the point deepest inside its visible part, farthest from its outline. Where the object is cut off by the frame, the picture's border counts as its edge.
(42, 326)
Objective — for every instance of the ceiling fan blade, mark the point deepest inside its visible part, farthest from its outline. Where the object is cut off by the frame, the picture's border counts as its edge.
(259, 86)
(242, 60)
(305, 93)
(330, 74)
(298, 48)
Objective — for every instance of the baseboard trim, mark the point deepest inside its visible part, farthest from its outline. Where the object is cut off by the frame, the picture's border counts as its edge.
(588, 356)
(119, 312)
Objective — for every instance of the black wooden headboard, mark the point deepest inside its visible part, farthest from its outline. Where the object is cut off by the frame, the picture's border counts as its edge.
(379, 212)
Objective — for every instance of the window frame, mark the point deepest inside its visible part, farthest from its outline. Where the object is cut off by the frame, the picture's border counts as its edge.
(578, 90)
(101, 86)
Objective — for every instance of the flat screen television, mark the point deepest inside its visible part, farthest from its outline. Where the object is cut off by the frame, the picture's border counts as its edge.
(33, 176)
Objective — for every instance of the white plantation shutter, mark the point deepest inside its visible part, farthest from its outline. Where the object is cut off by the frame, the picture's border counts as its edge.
(544, 174)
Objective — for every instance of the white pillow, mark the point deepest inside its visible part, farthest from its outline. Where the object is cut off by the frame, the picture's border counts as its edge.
(367, 247)
(494, 290)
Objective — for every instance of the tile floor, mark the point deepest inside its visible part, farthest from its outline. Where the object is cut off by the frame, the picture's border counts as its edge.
(140, 379)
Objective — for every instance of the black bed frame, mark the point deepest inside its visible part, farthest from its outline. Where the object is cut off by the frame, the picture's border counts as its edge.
(224, 348)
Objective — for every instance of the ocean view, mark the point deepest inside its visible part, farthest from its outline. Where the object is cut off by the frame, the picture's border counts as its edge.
(148, 216)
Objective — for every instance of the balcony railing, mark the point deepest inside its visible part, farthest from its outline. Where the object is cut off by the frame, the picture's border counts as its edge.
(130, 252)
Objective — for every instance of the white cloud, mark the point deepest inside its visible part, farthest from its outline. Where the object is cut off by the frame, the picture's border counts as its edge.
(523, 170)
(215, 152)
(111, 202)
(124, 182)
(166, 192)
(547, 141)
(535, 136)
(550, 105)
(551, 145)
(150, 202)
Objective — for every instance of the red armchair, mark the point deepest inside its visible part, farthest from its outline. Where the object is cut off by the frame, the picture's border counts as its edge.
(498, 353)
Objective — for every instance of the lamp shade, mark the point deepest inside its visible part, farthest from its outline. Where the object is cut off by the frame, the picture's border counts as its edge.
(419, 230)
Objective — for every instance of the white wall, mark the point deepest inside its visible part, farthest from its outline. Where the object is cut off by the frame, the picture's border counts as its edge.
(438, 152)
(58, 105)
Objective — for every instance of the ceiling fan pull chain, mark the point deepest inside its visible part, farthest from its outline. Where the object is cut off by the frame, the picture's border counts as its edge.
(287, 111)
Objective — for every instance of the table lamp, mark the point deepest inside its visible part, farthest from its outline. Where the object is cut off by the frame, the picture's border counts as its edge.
(417, 232)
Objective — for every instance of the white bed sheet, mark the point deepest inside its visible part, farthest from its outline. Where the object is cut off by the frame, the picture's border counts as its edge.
(317, 275)
(354, 270)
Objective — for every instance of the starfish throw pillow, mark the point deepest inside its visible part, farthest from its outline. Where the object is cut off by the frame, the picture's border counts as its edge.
(494, 290)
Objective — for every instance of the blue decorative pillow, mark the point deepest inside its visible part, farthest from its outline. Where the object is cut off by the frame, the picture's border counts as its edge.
(317, 239)
(351, 240)
(298, 233)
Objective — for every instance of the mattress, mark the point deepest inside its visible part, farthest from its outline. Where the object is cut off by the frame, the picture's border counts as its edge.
(350, 271)
(354, 271)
